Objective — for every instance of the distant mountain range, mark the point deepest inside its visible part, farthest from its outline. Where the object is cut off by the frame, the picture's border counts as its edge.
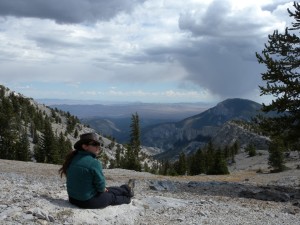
(167, 129)
(213, 124)
(160, 111)
(173, 128)
(115, 119)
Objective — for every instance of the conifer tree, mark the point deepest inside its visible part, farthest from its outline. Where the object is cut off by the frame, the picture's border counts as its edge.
(219, 166)
(146, 167)
(182, 164)
(135, 142)
(33, 133)
(209, 156)
(282, 59)
(46, 150)
(64, 147)
(76, 133)
(112, 164)
(50, 144)
(234, 149)
(197, 163)
(39, 151)
(131, 160)
(226, 152)
(164, 167)
(118, 157)
(23, 147)
(251, 150)
(4, 135)
(8, 131)
(276, 158)
(104, 159)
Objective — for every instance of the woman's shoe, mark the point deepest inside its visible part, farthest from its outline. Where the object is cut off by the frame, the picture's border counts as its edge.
(131, 185)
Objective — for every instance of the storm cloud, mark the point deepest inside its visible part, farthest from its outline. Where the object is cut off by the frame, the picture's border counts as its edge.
(205, 47)
(67, 11)
(225, 44)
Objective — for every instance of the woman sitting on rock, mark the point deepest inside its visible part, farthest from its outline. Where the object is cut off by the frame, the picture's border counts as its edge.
(85, 180)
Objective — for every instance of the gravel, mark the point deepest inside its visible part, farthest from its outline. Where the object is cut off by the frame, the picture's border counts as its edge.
(33, 193)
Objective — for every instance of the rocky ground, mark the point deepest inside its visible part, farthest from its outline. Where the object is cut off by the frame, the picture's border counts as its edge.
(33, 193)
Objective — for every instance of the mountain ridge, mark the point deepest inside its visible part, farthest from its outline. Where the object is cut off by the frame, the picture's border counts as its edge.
(194, 132)
(233, 108)
(186, 135)
(27, 122)
(114, 119)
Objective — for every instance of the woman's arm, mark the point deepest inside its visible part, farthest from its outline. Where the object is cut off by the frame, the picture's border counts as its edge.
(99, 179)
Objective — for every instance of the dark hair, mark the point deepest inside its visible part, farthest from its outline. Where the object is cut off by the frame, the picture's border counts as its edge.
(68, 159)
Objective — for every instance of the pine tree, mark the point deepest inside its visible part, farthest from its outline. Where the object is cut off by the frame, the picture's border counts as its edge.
(33, 133)
(104, 159)
(135, 142)
(64, 147)
(50, 144)
(146, 167)
(180, 166)
(282, 59)
(118, 157)
(164, 167)
(219, 166)
(197, 163)
(71, 123)
(276, 157)
(4, 136)
(226, 152)
(23, 147)
(39, 151)
(112, 164)
(8, 131)
(251, 150)
(209, 156)
(76, 133)
(131, 160)
(234, 149)
(46, 149)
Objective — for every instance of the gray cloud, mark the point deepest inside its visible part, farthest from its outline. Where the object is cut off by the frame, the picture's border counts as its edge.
(50, 42)
(221, 70)
(221, 56)
(224, 67)
(172, 44)
(273, 6)
(217, 21)
(67, 11)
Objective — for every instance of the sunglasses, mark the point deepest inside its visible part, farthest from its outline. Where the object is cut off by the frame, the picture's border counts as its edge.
(94, 144)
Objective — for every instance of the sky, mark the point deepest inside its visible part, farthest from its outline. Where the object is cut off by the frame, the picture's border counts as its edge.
(137, 50)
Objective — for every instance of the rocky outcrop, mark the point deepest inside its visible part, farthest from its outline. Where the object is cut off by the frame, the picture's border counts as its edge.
(33, 193)
(231, 132)
(169, 136)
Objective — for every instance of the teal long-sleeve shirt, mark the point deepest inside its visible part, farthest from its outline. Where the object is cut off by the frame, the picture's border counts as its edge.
(84, 176)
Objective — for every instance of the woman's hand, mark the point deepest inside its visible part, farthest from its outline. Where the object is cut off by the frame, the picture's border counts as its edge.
(106, 190)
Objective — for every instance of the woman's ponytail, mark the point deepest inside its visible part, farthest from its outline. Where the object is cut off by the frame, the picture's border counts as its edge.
(68, 159)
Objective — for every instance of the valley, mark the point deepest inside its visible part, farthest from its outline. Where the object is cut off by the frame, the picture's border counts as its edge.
(175, 128)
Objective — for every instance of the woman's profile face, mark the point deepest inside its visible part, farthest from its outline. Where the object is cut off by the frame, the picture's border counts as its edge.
(92, 147)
